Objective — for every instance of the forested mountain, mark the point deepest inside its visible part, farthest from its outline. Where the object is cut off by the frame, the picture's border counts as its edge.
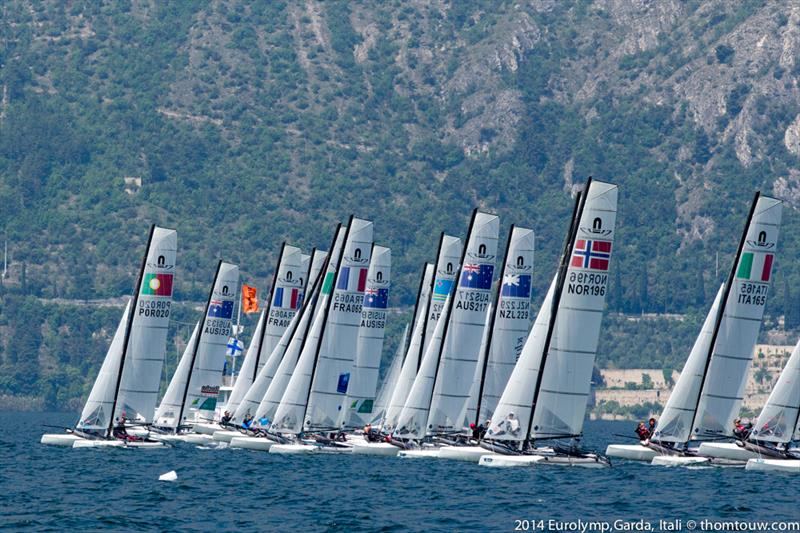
(242, 124)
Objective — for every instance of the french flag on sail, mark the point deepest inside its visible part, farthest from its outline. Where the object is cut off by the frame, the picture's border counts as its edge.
(593, 255)
(352, 279)
(286, 298)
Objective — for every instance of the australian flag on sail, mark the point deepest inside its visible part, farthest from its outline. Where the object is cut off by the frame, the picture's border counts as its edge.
(376, 298)
(476, 276)
(220, 309)
(516, 286)
(593, 255)
(287, 299)
(352, 279)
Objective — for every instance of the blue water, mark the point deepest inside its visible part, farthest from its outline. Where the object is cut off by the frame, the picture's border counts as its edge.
(52, 488)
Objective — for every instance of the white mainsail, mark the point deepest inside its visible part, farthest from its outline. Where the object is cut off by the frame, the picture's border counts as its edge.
(511, 323)
(96, 414)
(516, 401)
(567, 371)
(448, 258)
(389, 381)
(357, 407)
(286, 297)
(168, 412)
(147, 339)
(778, 421)
(337, 347)
(463, 332)
(726, 374)
(205, 378)
(256, 394)
(674, 424)
(413, 356)
(290, 412)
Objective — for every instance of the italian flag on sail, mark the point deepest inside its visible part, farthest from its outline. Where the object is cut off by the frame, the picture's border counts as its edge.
(755, 266)
(327, 283)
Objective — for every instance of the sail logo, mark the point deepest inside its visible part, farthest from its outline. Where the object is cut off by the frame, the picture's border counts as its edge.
(593, 255)
(755, 267)
(352, 279)
(379, 280)
(516, 286)
(761, 242)
(287, 298)
(449, 271)
(161, 263)
(480, 254)
(220, 309)
(356, 257)
(518, 265)
(376, 298)
(157, 285)
(289, 279)
(597, 229)
(476, 276)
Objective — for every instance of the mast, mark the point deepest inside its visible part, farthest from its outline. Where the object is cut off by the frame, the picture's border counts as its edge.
(269, 308)
(450, 305)
(414, 316)
(326, 311)
(721, 310)
(196, 346)
(128, 327)
(488, 347)
(580, 202)
(430, 300)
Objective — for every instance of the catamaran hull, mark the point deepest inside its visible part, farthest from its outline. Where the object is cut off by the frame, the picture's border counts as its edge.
(207, 429)
(60, 439)
(774, 465)
(292, 449)
(679, 460)
(472, 454)
(425, 453)
(496, 460)
(509, 461)
(631, 452)
(225, 435)
(375, 448)
(86, 443)
(251, 443)
(726, 450)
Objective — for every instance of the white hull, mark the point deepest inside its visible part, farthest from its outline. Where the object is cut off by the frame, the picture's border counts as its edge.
(85, 443)
(251, 443)
(167, 437)
(225, 435)
(496, 460)
(632, 452)
(375, 448)
(60, 439)
(472, 454)
(200, 439)
(207, 429)
(726, 450)
(679, 460)
(292, 449)
(774, 465)
(425, 453)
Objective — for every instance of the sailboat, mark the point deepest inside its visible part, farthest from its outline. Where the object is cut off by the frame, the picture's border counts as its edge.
(434, 411)
(126, 387)
(191, 395)
(278, 371)
(778, 424)
(505, 334)
(709, 391)
(358, 405)
(285, 298)
(390, 381)
(545, 398)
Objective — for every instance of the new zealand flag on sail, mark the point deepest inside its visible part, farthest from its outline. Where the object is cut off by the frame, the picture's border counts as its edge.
(476, 276)
(376, 298)
(220, 309)
(516, 286)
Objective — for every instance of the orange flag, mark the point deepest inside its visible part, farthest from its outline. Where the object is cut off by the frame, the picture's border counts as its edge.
(249, 300)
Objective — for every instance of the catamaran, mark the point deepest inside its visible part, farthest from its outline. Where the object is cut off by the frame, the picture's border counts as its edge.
(191, 395)
(505, 334)
(126, 388)
(709, 391)
(545, 398)
(436, 406)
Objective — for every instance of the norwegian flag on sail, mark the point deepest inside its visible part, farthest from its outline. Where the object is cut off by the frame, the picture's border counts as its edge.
(593, 255)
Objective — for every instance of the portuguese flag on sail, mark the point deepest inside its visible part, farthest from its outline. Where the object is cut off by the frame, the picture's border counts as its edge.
(755, 266)
(157, 285)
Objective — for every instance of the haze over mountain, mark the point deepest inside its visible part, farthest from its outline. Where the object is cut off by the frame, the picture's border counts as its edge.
(242, 124)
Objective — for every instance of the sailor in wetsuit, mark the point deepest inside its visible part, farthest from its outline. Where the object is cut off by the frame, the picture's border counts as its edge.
(642, 432)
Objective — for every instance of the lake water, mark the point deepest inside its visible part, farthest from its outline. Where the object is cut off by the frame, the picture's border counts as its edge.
(53, 488)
